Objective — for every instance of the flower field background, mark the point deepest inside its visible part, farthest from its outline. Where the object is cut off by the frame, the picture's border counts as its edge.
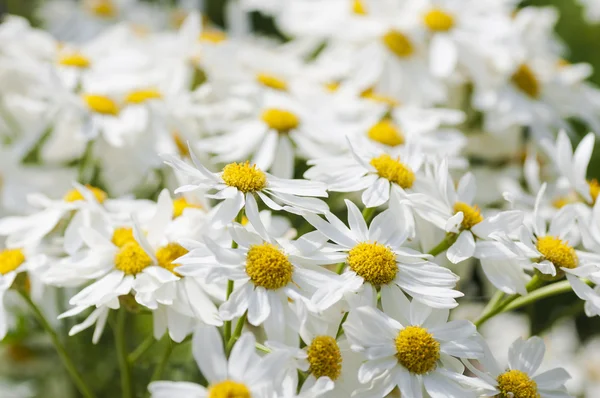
(525, 263)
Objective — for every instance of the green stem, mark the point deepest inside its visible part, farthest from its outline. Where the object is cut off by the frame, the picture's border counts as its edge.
(262, 348)
(121, 347)
(340, 268)
(62, 352)
(160, 367)
(502, 305)
(141, 349)
(494, 301)
(444, 244)
(234, 245)
(237, 332)
(341, 327)
(368, 213)
(544, 292)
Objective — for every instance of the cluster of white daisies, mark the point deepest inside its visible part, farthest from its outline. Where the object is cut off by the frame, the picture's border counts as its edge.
(316, 192)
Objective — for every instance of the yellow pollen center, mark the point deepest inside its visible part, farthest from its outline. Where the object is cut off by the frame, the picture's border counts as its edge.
(417, 350)
(10, 260)
(76, 60)
(471, 214)
(267, 266)
(271, 81)
(229, 389)
(244, 177)
(324, 357)
(385, 132)
(370, 94)
(438, 20)
(526, 81)
(358, 7)
(121, 236)
(166, 255)
(132, 259)
(101, 104)
(516, 384)
(557, 252)
(594, 189)
(102, 8)
(180, 204)
(140, 96)
(281, 120)
(374, 262)
(213, 36)
(74, 195)
(393, 170)
(398, 43)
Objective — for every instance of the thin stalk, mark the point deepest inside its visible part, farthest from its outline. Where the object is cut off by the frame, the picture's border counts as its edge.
(340, 268)
(262, 348)
(160, 367)
(62, 352)
(444, 244)
(141, 349)
(237, 332)
(341, 327)
(542, 293)
(368, 213)
(121, 347)
(234, 245)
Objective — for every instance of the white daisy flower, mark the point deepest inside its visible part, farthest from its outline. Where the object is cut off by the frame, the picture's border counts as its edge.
(14, 261)
(244, 374)
(237, 184)
(266, 273)
(416, 348)
(379, 175)
(376, 260)
(458, 216)
(518, 379)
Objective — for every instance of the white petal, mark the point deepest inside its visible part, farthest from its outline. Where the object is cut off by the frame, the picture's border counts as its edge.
(207, 348)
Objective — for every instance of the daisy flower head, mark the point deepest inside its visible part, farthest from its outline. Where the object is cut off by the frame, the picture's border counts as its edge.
(14, 261)
(244, 374)
(376, 260)
(238, 183)
(456, 214)
(370, 169)
(520, 377)
(279, 130)
(79, 207)
(266, 272)
(415, 348)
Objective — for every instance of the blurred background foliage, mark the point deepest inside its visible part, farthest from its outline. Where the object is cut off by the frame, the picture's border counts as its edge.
(28, 353)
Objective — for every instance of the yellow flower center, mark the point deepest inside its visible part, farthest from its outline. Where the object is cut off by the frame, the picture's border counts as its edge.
(526, 81)
(385, 132)
(10, 260)
(244, 177)
(516, 384)
(557, 252)
(471, 214)
(267, 266)
(398, 43)
(76, 60)
(370, 94)
(417, 350)
(594, 189)
(281, 120)
(213, 36)
(229, 389)
(438, 20)
(393, 170)
(271, 81)
(166, 255)
(132, 259)
(180, 204)
(74, 195)
(332, 86)
(101, 104)
(140, 96)
(182, 147)
(102, 8)
(358, 7)
(324, 357)
(374, 262)
(121, 236)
